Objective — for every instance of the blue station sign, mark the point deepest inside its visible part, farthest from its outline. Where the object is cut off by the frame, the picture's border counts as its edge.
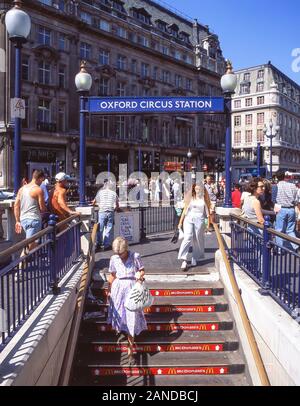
(133, 105)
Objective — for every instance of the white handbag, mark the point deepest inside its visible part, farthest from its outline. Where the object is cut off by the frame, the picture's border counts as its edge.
(138, 298)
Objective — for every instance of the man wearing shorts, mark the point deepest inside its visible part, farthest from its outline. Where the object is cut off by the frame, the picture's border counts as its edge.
(29, 205)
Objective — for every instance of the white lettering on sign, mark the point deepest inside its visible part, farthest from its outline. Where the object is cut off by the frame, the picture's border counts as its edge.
(17, 108)
(126, 227)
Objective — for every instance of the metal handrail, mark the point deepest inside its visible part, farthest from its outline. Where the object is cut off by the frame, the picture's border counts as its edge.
(243, 313)
(270, 230)
(66, 368)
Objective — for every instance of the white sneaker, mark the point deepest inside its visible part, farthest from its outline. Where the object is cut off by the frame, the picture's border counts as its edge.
(194, 262)
(184, 265)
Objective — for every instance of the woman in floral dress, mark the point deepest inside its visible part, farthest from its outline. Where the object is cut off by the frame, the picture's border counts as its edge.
(125, 269)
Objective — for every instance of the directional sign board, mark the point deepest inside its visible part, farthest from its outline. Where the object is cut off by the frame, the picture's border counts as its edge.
(17, 108)
(163, 105)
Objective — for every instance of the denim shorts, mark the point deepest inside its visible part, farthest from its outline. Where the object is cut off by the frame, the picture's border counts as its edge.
(31, 227)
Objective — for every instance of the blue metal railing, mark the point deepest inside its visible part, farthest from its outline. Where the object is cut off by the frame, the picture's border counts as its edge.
(270, 258)
(28, 278)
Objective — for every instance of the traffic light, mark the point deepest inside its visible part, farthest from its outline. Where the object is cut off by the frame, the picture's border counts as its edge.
(61, 166)
(221, 167)
(217, 164)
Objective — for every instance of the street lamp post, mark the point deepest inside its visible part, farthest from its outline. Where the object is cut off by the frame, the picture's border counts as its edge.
(83, 82)
(228, 84)
(18, 25)
(270, 134)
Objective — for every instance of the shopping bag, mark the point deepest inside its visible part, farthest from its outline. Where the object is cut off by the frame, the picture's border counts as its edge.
(138, 298)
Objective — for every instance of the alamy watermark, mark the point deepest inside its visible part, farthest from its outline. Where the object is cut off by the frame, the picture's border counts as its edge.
(296, 61)
(3, 321)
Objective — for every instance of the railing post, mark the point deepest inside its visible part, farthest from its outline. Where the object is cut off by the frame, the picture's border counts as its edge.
(53, 258)
(142, 228)
(266, 258)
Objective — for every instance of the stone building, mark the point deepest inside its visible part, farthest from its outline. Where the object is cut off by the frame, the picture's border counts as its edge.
(132, 48)
(264, 93)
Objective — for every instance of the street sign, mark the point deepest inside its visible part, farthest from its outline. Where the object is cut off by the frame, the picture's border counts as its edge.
(17, 108)
(133, 105)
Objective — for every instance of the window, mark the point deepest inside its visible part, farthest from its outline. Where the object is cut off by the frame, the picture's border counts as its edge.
(173, 30)
(104, 25)
(165, 50)
(121, 62)
(103, 57)
(161, 25)
(166, 76)
(189, 84)
(260, 87)
(44, 111)
(104, 126)
(145, 70)
(44, 36)
(237, 137)
(121, 127)
(237, 121)
(166, 132)
(103, 87)
(62, 42)
(185, 37)
(245, 89)
(260, 100)
(246, 77)
(25, 121)
(178, 81)
(133, 66)
(44, 73)
(141, 16)
(121, 32)
(260, 118)
(248, 136)
(260, 135)
(85, 50)
(189, 59)
(62, 118)
(260, 74)
(144, 41)
(121, 89)
(86, 17)
(61, 5)
(177, 55)
(155, 73)
(237, 104)
(25, 67)
(248, 102)
(62, 77)
(248, 119)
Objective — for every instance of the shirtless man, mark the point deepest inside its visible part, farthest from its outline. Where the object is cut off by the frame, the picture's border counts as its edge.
(29, 205)
(57, 198)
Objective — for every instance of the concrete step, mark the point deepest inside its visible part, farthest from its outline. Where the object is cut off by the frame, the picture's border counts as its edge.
(178, 322)
(159, 380)
(166, 304)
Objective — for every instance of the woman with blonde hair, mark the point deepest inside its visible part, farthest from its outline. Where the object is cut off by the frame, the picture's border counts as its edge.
(196, 210)
(125, 269)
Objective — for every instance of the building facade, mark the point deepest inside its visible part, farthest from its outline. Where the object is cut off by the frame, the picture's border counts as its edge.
(264, 93)
(132, 48)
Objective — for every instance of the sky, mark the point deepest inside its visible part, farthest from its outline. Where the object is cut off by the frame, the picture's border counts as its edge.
(252, 32)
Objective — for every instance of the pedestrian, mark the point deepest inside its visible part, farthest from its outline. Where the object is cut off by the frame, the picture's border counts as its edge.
(236, 197)
(44, 187)
(29, 206)
(58, 198)
(252, 206)
(212, 191)
(125, 268)
(107, 201)
(197, 208)
(267, 204)
(286, 202)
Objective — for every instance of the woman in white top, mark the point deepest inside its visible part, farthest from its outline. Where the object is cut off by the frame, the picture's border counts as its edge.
(197, 206)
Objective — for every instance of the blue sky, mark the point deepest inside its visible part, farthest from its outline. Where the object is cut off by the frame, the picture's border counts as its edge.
(252, 32)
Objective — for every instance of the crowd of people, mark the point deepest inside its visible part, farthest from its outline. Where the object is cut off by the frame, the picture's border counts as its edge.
(279, 199)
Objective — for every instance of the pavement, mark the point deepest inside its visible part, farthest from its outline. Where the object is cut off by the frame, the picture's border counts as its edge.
(159, 255)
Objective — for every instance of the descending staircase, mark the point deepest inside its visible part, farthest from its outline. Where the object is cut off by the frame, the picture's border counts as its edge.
(190, 341)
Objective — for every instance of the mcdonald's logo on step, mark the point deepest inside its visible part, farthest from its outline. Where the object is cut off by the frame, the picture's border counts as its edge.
(205, 347)
(172, 371)
(210, 371)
